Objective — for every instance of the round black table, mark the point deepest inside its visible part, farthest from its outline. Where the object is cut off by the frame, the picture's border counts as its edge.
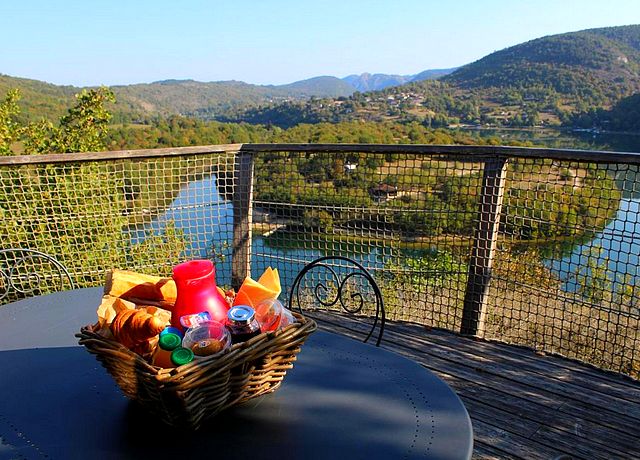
(343, 399)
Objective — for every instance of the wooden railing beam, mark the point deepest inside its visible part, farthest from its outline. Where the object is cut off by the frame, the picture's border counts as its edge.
(242, 218)
(484, 247)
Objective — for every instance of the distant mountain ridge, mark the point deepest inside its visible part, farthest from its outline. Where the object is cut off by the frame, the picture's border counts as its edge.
(211, 99)
(374, 82)
(543, 82)
(172, 96)
(39, 99)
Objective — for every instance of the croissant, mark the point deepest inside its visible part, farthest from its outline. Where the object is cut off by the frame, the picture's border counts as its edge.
(135, 327)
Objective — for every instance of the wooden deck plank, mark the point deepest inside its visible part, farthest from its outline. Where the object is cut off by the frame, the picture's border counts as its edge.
(556, 392)
(485, 452)
(579, 446)
(586, 413)
(527, 418)
(533, 375)
(559, 369)
(511, 444)
(524, 405)
(602, 416)
(598, 422)
(521, 351)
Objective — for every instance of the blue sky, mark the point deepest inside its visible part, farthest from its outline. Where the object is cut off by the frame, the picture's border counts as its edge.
(274, 42)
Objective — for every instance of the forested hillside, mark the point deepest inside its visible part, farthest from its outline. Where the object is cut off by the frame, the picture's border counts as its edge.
(592, 67)
(170, 97)
(212, 99)
(39, 99)
(543, 82)
(177, 131)
(624, 116)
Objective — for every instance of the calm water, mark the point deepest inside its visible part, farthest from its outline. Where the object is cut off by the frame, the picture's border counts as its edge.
(617, 248)
(564, 139)
(209, 226)
(201, 222)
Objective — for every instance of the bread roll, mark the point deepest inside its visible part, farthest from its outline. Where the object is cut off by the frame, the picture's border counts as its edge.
(135, 327)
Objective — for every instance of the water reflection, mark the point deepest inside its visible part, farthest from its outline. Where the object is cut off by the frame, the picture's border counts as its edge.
(563, 139)
(616, 248)
(205, 219)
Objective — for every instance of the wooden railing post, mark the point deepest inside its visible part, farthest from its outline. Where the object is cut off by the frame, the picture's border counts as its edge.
(484, 247)
(242, 218)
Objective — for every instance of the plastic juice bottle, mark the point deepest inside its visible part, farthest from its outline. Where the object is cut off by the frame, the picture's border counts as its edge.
(167, 343)
(197, 292)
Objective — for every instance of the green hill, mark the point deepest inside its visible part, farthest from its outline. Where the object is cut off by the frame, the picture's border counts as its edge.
(212, 99)
(624, 116)
(546, 81)
(39, 99)
(186, 97)
(318, 87)
(595, 67)
(543, 82)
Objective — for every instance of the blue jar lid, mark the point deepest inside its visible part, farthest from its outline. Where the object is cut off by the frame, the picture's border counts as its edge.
(172, 330)
(241, 314)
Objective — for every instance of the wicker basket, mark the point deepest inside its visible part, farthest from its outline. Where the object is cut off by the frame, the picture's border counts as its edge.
(189, 394)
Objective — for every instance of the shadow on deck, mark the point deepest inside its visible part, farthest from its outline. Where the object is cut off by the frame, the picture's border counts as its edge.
(524, 405)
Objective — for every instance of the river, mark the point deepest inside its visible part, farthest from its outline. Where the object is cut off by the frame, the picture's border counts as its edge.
(206, 220)
(617, 245)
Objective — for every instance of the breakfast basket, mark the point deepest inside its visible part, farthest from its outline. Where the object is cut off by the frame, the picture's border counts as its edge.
(187, 395)
(184, 395)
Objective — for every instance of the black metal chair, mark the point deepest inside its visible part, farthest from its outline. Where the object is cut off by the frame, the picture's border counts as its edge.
(339, 285)
(27, 272)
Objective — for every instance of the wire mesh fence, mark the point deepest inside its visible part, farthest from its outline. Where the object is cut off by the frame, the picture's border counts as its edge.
(532, 248)
(566, 267)
(145, 214)
(402, 216)
(537, 251)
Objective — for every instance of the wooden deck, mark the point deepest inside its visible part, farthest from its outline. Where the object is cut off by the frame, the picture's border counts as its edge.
(526, 405)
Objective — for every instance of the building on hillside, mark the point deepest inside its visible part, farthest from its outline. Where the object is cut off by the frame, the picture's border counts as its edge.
(350, 167)
(382, 192)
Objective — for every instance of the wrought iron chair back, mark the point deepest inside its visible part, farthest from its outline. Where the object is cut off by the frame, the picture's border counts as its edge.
(336, 283)
(27, 272)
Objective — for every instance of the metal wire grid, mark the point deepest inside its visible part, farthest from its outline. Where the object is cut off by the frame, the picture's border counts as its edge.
(563, 273)
(144, 215)
(407, 218)
(562, 276)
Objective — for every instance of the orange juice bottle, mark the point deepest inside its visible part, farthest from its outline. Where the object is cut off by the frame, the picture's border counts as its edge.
(167, 343)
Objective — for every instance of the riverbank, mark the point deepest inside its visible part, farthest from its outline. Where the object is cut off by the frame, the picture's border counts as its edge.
(561, 137)
(276, 233)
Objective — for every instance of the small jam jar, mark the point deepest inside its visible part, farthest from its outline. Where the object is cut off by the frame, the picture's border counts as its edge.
(242, 323)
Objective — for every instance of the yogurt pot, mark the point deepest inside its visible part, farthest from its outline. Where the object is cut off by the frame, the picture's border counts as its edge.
(207, 338)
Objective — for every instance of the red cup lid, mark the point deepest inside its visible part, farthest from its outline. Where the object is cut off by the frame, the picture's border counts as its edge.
(193, 269)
